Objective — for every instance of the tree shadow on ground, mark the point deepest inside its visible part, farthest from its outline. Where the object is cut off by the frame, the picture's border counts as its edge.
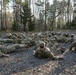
(66, 66)
(20, 62)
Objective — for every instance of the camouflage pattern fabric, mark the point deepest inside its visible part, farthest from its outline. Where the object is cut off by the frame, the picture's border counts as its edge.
(44, 53)
(73, 45)
(11, 48)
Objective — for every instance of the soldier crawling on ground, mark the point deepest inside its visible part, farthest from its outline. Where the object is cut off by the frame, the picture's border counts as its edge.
(2, 54)
(4, 50)
(44, 52)
(71, 38)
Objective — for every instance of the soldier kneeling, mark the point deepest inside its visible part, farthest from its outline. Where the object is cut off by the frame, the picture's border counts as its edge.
(44, 52)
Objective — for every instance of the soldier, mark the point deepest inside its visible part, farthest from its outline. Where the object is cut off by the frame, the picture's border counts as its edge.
(60, 39)
(5, 55)
(45, 52)
(49, 44)
(66, 34)
(55, 48)
(11, 48)
(8, 35)
(73, 46)
(71, 38)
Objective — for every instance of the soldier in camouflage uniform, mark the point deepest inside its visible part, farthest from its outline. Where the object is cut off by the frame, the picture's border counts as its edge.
(71, 38)
(60, 39)
(45, 52)
(73, 45)
(4, 50)
(2, 54)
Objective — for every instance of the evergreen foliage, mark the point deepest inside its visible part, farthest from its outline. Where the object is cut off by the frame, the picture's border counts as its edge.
(26, 17)
(73, 24)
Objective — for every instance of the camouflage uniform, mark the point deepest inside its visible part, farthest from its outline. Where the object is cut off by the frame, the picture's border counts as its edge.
(44, 52)
(2, 54)
(54, 49)
(49, 44)
(71, 38)
(73, 45)
(61, 39)
(11, 48)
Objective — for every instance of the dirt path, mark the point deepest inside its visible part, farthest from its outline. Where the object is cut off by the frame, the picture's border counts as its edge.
(24, 63)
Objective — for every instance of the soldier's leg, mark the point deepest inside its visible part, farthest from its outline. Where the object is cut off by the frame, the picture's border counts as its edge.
(50, 55)
(71, 46)
(59, 57)
(5, 55)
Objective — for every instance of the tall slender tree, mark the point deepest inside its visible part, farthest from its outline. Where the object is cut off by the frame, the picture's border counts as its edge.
(1, 16)
(45, 16)
(26, 14)
(5, 2)
(68, 12)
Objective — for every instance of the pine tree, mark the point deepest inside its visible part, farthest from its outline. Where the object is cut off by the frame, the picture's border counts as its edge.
(26, 14)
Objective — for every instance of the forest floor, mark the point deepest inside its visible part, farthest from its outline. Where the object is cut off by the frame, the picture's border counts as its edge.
(24, 63)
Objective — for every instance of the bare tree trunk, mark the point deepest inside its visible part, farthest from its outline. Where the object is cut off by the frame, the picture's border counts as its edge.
(74, 16)
(68, 12)
(54, 13)
(1, 16)
(4, 15)
(14, 14)
(45, 16)
(5, 19)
